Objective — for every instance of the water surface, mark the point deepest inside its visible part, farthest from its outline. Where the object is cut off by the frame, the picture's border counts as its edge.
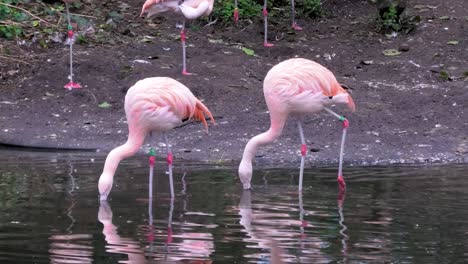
(50, 213)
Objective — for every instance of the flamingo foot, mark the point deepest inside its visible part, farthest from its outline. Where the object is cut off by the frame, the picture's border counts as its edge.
(169, 235)
(295, 26)
(150, 237)
(236, 15)
(268, 45)
(72, 85)
(185, 73)
(341, 183)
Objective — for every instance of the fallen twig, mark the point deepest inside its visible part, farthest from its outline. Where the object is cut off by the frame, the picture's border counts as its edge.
(26, 11)
(211, 23)
(13, 59)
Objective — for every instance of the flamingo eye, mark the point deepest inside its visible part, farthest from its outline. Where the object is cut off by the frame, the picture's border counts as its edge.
(330, 97)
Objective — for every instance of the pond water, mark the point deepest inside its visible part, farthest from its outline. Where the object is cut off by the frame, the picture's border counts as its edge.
(50, 213)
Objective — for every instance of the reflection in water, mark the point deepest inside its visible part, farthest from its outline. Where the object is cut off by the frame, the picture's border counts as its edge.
(389, 215)
(344, 239)
(264, 242)
(180, 240)
(116, 243)
(272, 227)
(69, 247)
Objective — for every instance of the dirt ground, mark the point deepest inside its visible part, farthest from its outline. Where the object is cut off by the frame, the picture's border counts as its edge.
(406, 112)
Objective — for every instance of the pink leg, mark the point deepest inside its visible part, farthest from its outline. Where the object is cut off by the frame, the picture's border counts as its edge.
(152, 161)
(184, 56)
(169, 223)
(169, 165)
(303, 154)
(71, 84)
(236, 12)
(265, 20)
(295, 26)
(341, 181)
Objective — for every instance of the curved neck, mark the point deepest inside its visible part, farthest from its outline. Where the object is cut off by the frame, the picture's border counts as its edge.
(276, 128)
(135, 139)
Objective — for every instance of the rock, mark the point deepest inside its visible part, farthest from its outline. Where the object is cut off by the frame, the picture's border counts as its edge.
(404, 47)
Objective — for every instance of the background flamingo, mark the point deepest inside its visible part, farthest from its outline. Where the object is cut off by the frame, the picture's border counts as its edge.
(294, 24)
(190, 9)
(153, 104)
(296, 86)
(71, 84)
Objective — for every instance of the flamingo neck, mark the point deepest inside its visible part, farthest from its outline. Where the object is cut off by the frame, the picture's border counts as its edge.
(133, 144)
(245, 167)
(275, 130)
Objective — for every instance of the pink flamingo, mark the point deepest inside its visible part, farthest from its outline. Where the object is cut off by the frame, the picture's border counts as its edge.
(296, 86)
(152, 104)
(71, 84)
(190, 9)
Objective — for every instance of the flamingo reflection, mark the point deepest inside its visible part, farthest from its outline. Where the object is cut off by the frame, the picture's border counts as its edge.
(116, 243)
(177, 241)
(69, 247)
(344, 239)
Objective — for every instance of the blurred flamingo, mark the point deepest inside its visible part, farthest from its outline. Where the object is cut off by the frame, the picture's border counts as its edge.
(152, 104)
(190, 9)
(71, 84)
(294, 24)
(297, 87)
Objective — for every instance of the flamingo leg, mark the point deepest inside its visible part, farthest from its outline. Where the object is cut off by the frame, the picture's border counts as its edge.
(184, 54)
(169, 165)
(265, 20)
(295, 26)
(303, 153)
(236, 12)
(71, 84)
(152, 159)
(169, 223)
(150, 236)
(341, 181)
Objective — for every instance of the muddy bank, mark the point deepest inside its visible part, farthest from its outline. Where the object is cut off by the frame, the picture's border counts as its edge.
(406, 113)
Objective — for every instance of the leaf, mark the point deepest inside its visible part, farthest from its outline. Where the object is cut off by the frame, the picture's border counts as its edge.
(452, 42)
(444, 18)
(146, 40)
(391, 52)
(444, 75)
(35, 23)
(248, 51)
(105, 105)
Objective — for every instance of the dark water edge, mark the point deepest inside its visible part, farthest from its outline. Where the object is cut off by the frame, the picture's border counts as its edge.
(50, 213)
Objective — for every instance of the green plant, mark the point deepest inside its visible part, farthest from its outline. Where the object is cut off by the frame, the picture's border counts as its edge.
(81, 39)
(224, 10)
(311, 8)
(391, 19)
(10, 19)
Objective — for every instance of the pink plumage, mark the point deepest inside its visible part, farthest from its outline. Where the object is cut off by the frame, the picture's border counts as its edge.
(153, 104)
(295, 86)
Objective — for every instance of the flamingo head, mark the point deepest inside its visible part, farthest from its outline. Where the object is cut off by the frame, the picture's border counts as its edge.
(105, 186)
(245, 174)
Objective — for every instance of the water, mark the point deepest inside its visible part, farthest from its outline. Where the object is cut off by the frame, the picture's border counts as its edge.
(50, 213)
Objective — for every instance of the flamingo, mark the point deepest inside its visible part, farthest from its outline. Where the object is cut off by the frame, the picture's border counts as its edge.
(152, 104)
(71, 84)
(296, 87)
(190, 9)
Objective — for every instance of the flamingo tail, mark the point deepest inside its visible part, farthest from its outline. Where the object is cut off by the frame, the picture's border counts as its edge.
(199, 114)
